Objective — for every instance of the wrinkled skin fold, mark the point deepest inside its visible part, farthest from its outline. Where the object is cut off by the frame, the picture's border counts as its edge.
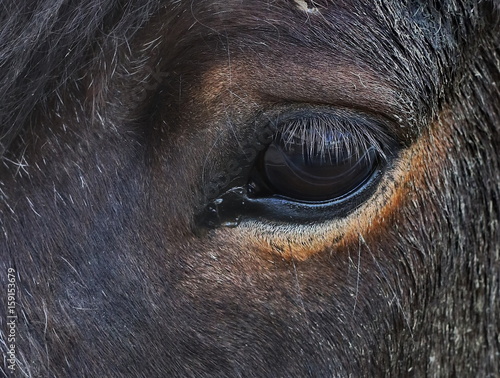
(122, 120)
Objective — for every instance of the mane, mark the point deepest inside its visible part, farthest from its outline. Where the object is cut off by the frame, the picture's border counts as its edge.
(47, 44)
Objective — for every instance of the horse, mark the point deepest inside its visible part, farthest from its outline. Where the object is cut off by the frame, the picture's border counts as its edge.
(285, 188)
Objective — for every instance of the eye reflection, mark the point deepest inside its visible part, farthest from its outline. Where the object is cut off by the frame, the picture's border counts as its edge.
(315, 165)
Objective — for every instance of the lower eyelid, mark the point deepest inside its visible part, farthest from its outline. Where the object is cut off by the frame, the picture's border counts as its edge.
(301, 241)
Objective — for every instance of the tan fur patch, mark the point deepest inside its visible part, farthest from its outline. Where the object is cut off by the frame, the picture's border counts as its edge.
(418, 164)
(326, 83)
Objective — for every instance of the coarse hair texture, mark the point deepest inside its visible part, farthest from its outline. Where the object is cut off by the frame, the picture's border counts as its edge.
(48, 45)
(118, 117)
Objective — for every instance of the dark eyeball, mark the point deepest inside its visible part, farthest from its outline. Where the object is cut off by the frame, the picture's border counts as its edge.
(312, 167)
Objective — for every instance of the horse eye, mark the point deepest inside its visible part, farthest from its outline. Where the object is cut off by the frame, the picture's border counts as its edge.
(319, 165)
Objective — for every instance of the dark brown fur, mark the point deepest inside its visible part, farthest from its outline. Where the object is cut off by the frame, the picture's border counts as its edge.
(118, 118)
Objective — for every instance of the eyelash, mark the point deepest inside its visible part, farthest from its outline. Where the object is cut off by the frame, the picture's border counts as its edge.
(311, 131)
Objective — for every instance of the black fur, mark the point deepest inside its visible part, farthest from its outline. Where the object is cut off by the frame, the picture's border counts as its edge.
(117, 115)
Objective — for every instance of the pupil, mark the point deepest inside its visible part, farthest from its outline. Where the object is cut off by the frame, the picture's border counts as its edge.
(317, 168)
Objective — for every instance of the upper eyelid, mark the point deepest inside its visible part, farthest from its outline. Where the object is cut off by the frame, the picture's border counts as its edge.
(364, 130)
